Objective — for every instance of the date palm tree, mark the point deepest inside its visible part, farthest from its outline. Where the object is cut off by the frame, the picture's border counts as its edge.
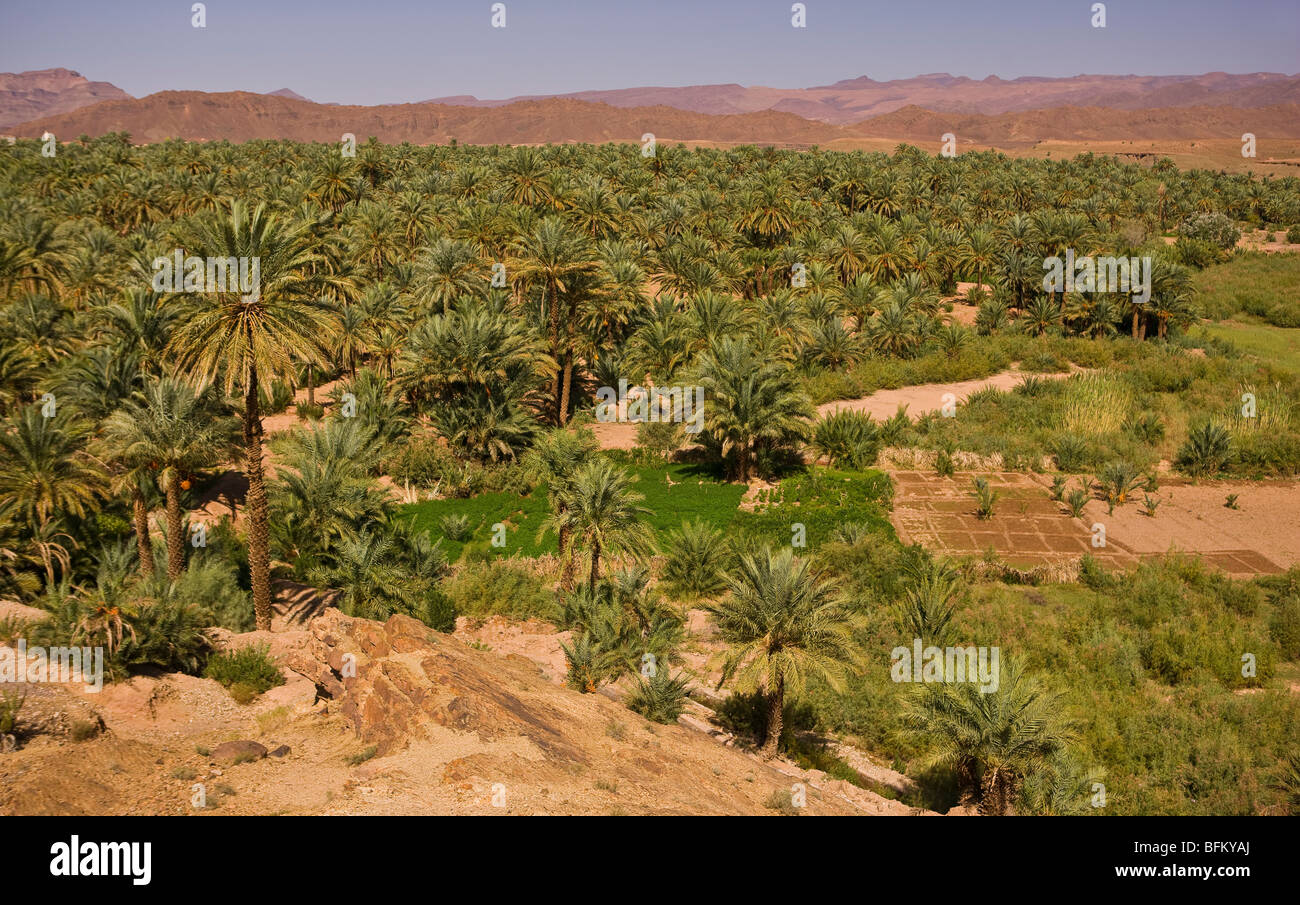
(554, 256)
(45, 475)
(991, 739)
(601, 514)
(171, 428)
(559, 455)
(751, 403)
(785, 624)
(244, 343)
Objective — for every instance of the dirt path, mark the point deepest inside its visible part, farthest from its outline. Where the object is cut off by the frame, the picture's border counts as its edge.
(927, 397)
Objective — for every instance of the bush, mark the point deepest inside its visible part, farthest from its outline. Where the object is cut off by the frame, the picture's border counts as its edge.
(10, 703)
(848, 439)
(1207, 450)
(1214, 228)
(1293, 235)
(500, 587)
(276, 398)
(985, 497)
(439, 612)
(697, 558)
(661, 699)
(1284, 626)
(455, 527)
(246, 672)
(1198, 253)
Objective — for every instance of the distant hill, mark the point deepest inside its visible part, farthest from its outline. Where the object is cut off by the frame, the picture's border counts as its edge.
(285, 92)
(1085, 124)
(45, 92)
(241, 116)
(852, 100)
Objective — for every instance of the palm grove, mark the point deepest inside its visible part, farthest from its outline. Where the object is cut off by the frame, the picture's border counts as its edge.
(381, 282)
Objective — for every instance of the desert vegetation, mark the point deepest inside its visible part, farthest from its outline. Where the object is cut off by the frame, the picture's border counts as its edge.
(403, 415)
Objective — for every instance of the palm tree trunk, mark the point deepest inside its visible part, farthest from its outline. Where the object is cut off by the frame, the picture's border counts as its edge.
(595, 563)
(143, 543)
(566, 556)
(311, 384)
(554, 314)
(566, 384)
(1135, 323)
(775, 718)
(259, 552)
(175, 530)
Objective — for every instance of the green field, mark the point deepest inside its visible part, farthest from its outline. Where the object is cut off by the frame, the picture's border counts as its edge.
(821, 500)
(696, 493)
(1277, 346)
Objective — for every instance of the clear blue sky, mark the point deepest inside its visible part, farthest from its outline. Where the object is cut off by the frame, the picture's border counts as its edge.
(394, 51)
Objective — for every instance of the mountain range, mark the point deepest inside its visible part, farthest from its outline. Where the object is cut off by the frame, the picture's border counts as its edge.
(989, 111)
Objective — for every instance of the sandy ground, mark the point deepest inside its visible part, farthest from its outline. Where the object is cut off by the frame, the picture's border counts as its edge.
(1261, 536)
(508, 740)
(926, 397)
(1029, 529)
(1269, 241)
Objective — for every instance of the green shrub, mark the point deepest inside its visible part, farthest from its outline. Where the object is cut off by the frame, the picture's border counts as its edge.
(10, 703)
(696, 559)
(1198, 253)
(661, 699)
(276, 398)
(1284, 626)
(1214, 228)
(501, 587)
(455, 527)
(848, 439)
(985, 497)
(246, 672)
(1206, 451)
(439, 612)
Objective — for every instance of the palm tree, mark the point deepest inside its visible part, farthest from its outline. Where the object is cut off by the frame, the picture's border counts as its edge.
(785, 624)
(993, 739)
(751, 403)
(169, 427)
(45, 474)
(554, 256)
(601, 514)
(559, 455)
(246, 342)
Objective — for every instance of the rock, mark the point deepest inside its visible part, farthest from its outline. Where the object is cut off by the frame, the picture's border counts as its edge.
(230, 753)
(282, 751)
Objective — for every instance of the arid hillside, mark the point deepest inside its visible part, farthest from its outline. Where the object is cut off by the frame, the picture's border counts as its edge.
(383, 718)
(46, 92)
(242, 116)
(851, 100)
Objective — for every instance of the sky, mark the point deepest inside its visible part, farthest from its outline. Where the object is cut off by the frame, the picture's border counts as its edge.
(399, 51)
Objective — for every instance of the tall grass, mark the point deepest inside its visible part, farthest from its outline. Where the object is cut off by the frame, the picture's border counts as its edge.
(1095, 404)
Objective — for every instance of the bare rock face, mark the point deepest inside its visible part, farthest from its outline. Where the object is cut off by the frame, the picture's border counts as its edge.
(46, 92)
(395, 681)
